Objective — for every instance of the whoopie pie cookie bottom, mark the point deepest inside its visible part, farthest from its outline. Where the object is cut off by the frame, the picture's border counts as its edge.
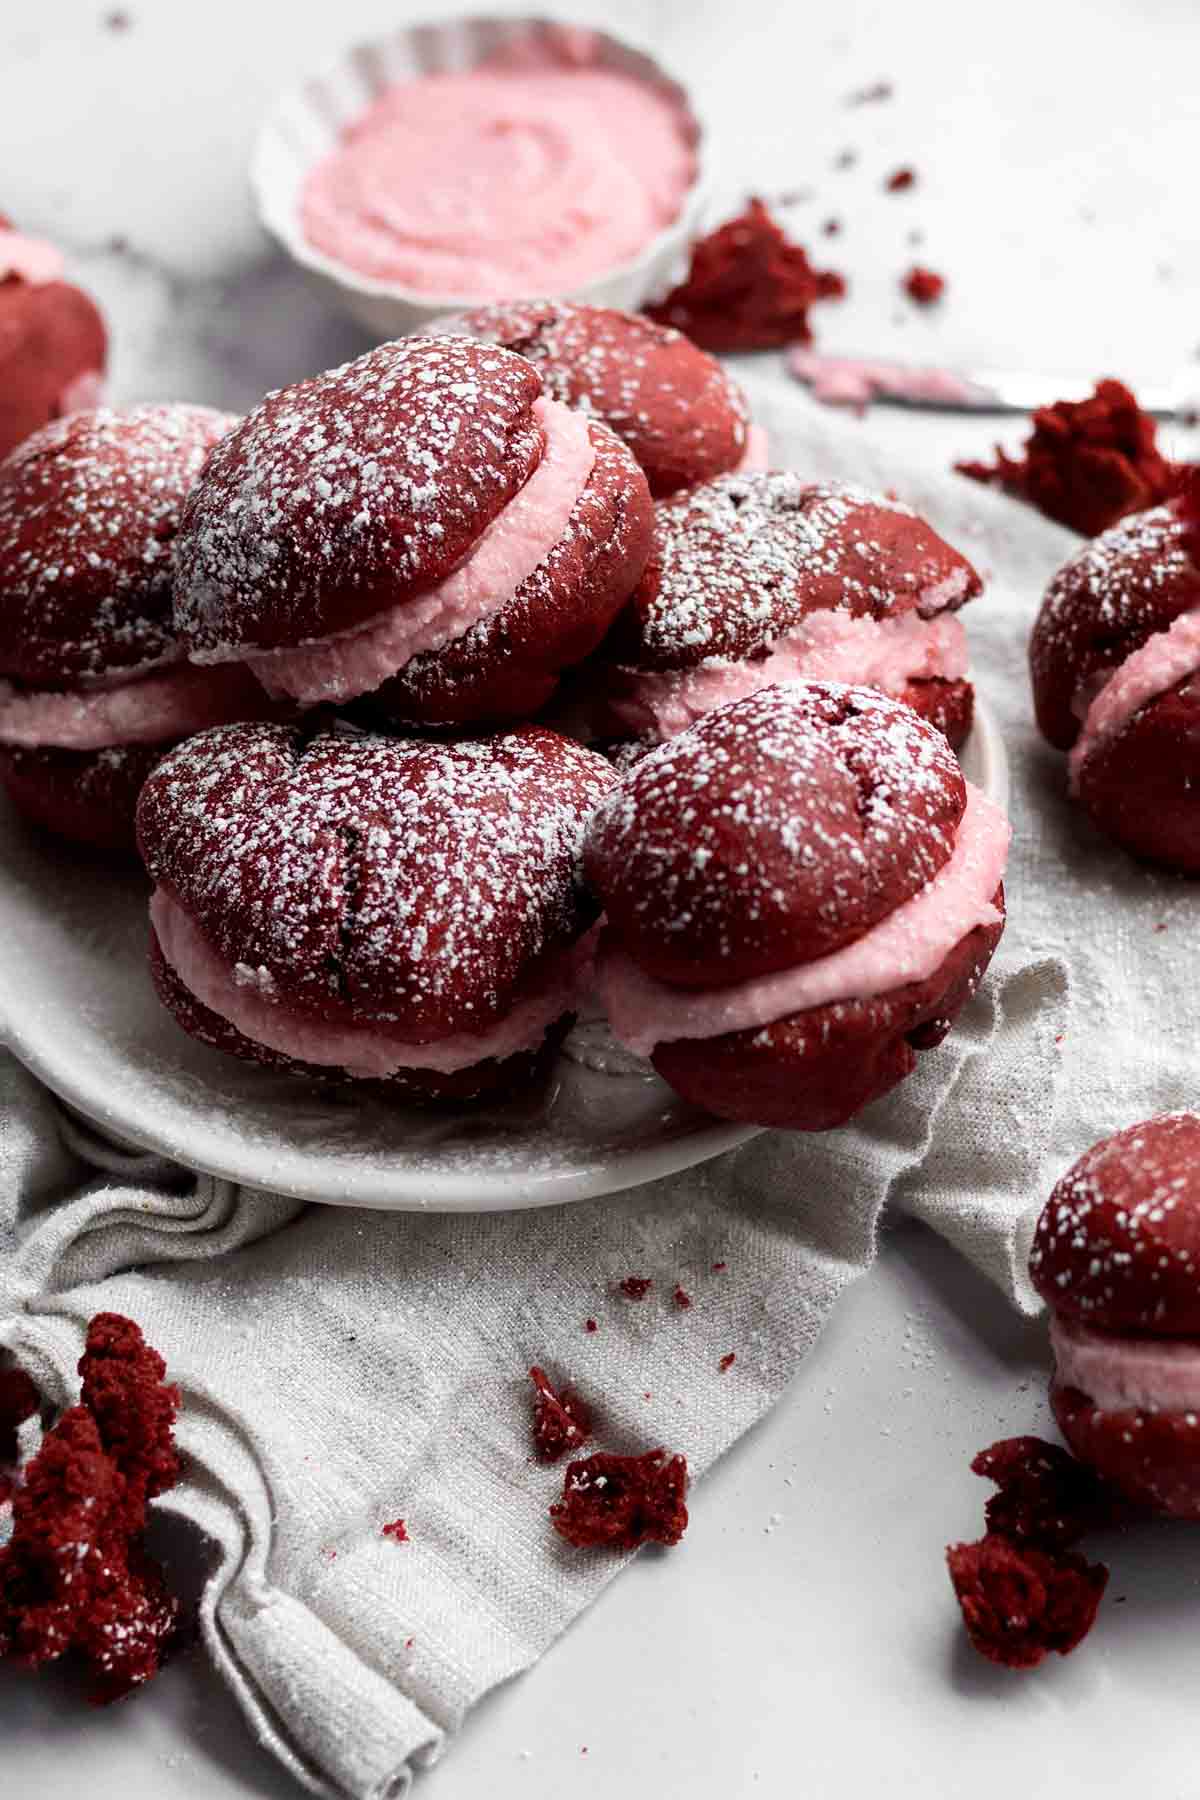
(1141, 786)
(815, 1069)
(89, 796)
(491, 1079)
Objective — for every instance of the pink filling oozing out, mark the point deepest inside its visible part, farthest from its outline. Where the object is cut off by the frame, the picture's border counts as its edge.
(148, 710)
(247, 999)
(756, 457)
(908, 945)
(516, 542)
(83, 393)
(1118, 1372)
(530, 174)
(826, 646)
(29, 259)
(1164, 660)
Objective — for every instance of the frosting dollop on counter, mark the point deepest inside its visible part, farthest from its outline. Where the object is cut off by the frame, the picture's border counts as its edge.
(530, 173)
(246, 998)
(909, 944)
(517, 542)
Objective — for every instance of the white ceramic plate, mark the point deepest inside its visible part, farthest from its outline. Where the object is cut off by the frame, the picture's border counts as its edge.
(77, 1006)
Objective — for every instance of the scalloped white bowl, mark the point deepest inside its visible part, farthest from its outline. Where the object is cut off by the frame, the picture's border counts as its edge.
(305, 124)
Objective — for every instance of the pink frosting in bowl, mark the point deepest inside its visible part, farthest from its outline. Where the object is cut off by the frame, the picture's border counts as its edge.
(908, 945)
(534, 171)
(829, 645)
(247, 998)
(516, 542)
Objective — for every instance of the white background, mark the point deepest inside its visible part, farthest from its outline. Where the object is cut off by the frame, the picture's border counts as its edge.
(802, 1641)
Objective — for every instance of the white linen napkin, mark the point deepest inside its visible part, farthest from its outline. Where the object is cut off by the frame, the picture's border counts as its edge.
(343, 1369)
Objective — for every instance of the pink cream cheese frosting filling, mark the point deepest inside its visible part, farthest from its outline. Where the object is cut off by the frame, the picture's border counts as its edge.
(1162, 662)
(29, 259)
(149, 710)
(516, 542)
(908, 945)
(1117, 1372)
(756, 457)
(248, 1000)
(533, 173)
(828, 645)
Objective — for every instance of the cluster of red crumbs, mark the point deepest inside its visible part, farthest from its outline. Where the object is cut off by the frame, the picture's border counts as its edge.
(900, 179)
(682, 1299)
(748, 287)
(397, 1531)
(1022, 1589)
(18, 1402)
(1087, 463)
(620, 1502)
(561, 1421)
(635, 1287)
(75, 1575)
(925, 286)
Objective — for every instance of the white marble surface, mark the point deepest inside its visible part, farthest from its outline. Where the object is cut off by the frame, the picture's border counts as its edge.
(1055, 142)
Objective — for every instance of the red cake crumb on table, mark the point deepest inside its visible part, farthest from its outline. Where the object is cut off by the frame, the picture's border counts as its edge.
(397, 1531)
(719, 1268)
(18, 1402)
(900, 179)
(925, 286)
(614, 1502)
(1046, 1496)
(1018, 1603)
(635, 1287)
(727, 1361)
(682, 1299)
(831, 227)
(74, 1575)
(561, 1421)
(1087, 463)
(590, 1325)
(748, 287)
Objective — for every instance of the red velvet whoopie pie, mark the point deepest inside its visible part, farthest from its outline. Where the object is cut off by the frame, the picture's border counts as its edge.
(355, 908)
(1114, 658)
(802, 892)
(93, 682)
(1116, 1258)
(53, 339)
(422, 526)
(676, 407)
(754, 580)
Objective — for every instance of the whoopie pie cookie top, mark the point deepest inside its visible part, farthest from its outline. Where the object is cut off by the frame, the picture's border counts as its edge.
(410, 882)
(1118, 1243)
(772, 832)
(677, 408)
(89, 510)
(737, 563)
(352, 491)
(1112, 596)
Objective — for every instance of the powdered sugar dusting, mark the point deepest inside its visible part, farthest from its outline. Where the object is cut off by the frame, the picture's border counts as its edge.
(410, 883)
(89, 509)
(345, 493)
(678, 409)
(738, 562)
(776, 829)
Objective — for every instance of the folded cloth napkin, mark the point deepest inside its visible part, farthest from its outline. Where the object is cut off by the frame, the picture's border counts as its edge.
(341, 1369)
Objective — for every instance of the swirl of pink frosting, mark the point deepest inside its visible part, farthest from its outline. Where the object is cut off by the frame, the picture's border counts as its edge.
(151, 710)
(1118, 1372)
(1162, 662)
(828, 645)
(247, 999)
(503, 180)
(909, 944)
(516, 542)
